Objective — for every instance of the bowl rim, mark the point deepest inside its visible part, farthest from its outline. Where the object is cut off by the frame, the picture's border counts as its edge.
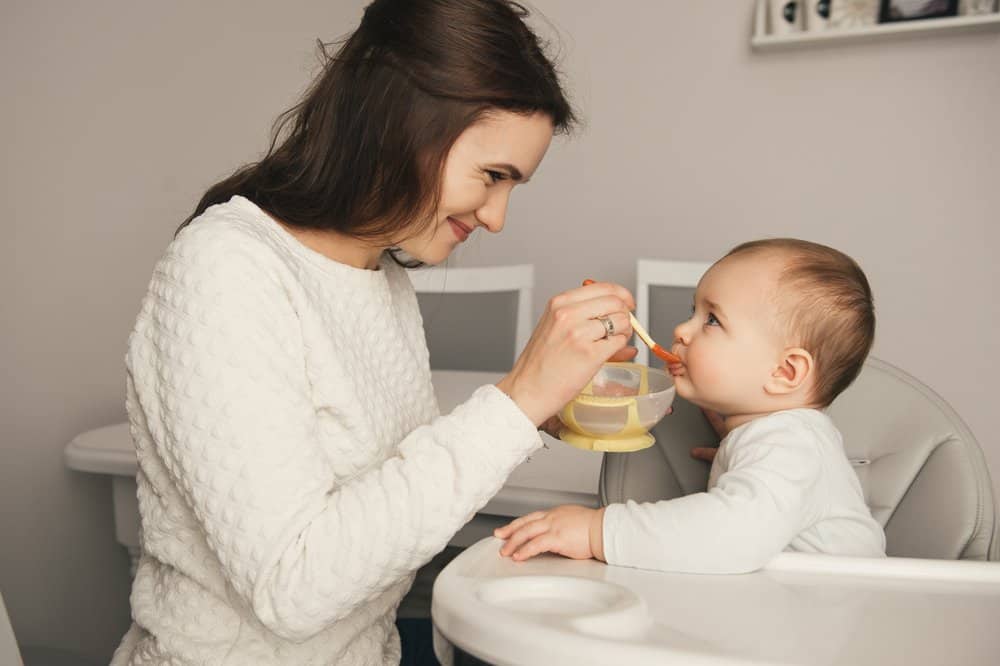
(617, 401)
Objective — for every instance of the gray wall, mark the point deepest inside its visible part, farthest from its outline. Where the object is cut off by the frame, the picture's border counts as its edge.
(117, 115)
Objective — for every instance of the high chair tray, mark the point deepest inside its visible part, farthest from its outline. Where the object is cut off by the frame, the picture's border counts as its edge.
(799, 609)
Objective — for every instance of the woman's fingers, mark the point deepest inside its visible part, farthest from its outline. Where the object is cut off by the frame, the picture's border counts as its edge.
(592, 308)
(567, 347)
(619, 324)
(624, 354)
(594, 290)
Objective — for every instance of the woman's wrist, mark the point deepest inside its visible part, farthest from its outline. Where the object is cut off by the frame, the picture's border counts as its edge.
(510, 388)
(597, 534)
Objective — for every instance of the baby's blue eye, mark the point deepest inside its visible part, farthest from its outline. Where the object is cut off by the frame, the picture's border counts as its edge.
(711, 321)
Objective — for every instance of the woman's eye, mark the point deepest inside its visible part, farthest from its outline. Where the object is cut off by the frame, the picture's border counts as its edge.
(711, 320)
(496, 176)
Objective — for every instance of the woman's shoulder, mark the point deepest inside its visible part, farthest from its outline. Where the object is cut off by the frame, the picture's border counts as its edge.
(227, 238)
(233, 227)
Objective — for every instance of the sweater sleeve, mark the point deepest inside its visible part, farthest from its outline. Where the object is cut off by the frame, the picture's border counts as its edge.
(758, 505)
(216, 365)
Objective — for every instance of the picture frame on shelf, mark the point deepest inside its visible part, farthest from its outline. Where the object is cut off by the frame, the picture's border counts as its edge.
(977, 7)
(892, 11)
(853, 13)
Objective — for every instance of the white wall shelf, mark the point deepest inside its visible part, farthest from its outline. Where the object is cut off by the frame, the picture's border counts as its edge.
(763, 41)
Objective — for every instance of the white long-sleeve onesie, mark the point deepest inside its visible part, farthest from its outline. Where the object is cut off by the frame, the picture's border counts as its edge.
(294, 470)
(779, 482)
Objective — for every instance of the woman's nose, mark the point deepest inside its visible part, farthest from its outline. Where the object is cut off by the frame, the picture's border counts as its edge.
(493, 213)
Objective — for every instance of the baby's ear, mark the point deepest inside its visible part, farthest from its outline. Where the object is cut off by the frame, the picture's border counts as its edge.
(793, 372)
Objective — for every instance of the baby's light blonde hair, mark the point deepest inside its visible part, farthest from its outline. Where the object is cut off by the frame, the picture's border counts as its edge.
(827, 306)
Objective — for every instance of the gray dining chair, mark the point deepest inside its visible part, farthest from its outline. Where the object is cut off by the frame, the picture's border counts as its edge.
(9, 653)
(475, 318)
(32, 655)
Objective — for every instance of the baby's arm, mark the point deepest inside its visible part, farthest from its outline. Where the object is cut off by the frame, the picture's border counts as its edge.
(573, 531)
(767, 496)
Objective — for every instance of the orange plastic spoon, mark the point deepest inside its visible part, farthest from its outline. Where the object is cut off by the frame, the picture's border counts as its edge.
(665, 354)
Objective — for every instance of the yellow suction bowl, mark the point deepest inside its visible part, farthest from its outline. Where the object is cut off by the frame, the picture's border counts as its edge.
(616, 410)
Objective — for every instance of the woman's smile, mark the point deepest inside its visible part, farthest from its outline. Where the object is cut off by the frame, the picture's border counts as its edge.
(461, 230)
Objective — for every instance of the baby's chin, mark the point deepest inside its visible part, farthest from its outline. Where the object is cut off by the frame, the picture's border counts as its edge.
(685, 390)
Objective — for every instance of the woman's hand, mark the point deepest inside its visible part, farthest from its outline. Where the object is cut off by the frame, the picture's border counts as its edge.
(553, 425)
(568, 347)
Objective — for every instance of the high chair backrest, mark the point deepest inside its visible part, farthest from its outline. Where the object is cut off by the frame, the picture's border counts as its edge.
(922, 471)
(475, 318)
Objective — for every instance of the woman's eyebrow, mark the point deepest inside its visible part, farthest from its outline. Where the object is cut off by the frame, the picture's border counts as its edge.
(515, 173)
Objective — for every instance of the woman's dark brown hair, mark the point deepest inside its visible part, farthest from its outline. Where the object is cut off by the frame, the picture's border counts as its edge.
(363, 152)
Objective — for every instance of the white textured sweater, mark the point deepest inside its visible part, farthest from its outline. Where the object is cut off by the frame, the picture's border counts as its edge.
(779, 482)
(294, 470)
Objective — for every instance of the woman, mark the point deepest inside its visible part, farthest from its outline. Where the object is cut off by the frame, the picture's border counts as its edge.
(294, 470)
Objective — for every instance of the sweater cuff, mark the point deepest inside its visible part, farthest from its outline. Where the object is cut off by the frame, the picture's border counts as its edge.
(613, 515)
(503, 413)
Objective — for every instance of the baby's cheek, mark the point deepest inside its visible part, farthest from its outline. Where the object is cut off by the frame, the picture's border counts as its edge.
(707, 372)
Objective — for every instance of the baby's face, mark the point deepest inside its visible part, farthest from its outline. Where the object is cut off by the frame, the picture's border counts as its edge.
(732, 342)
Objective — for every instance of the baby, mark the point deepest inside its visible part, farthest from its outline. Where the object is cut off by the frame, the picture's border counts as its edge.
(779, 329)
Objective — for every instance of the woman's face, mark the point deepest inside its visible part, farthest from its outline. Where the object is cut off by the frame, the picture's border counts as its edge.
(485, 163)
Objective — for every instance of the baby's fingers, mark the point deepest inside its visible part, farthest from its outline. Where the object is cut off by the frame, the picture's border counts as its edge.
(544, 543)
(706, 453)
(505, 531)
(525, 533)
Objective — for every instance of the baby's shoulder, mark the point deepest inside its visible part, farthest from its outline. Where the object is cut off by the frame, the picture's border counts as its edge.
(791, 424)
(798, 435)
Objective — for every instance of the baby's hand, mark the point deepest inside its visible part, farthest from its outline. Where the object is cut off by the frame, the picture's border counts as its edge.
(573, 531)
(706, 453)
(717, 422)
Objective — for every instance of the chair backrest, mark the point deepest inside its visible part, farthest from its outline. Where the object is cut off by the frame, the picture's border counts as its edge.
(921, 469)
(9, 654)
(663, 296)
(475, 318)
